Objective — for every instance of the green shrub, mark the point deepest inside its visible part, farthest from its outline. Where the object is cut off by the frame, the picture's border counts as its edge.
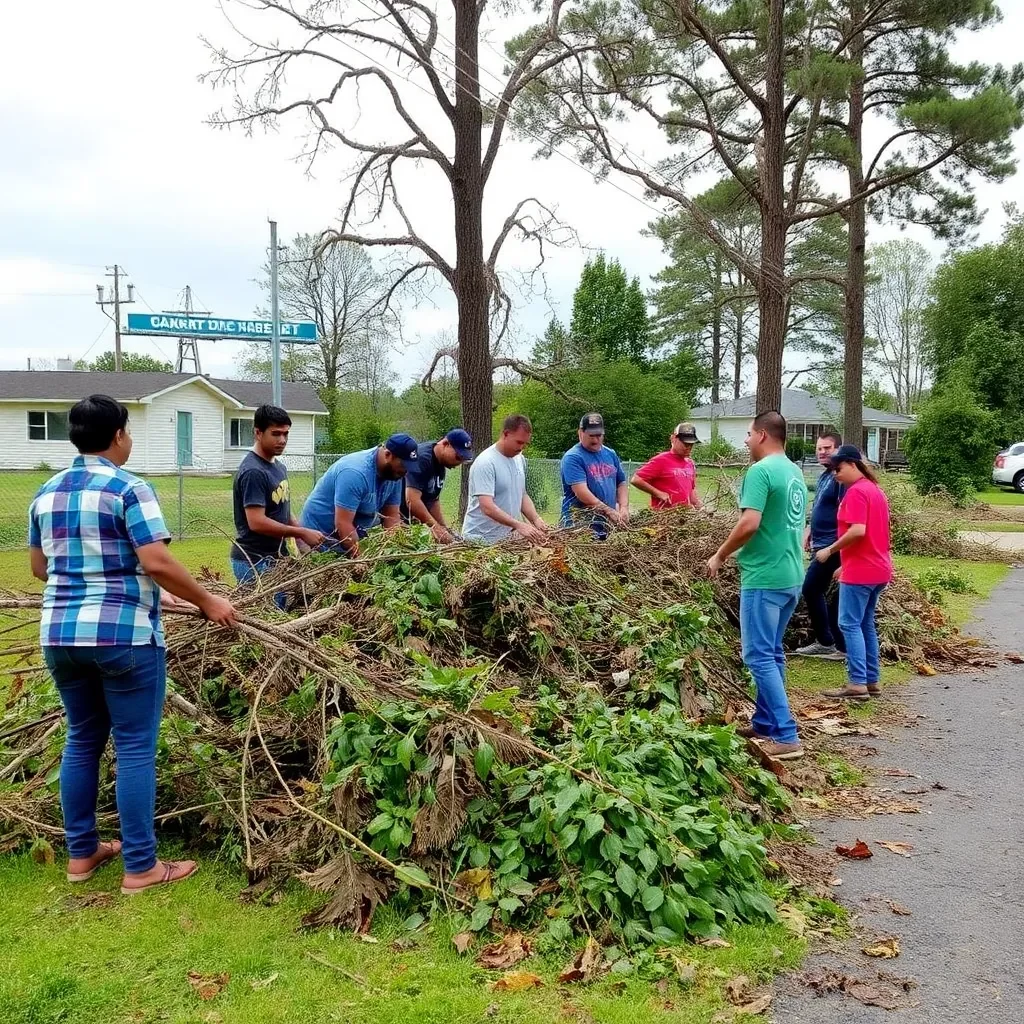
(719, 450)
(796, 449)
(536, 485)
(952, 445)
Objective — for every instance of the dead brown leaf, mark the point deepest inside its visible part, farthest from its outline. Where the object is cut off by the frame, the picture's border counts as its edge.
(755, 1006)
(208, 986)
(737, 989)
(1016, 658)
(903, 849)
(517, 981)
(714, 943)
(871, 995)
(258, 983)
(859, 851)
(587, 965)
(924, 669)
(463, 941)
(900, 773)
(887, 948)
(898, 908)
(507, 952)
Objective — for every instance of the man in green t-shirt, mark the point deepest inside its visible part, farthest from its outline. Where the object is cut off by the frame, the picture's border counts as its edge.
(768, 540)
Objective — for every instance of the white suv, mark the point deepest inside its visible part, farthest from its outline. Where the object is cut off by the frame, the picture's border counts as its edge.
(1009, 467)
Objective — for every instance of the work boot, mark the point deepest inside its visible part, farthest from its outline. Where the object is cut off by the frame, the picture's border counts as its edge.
(748, 732)
(782, 751)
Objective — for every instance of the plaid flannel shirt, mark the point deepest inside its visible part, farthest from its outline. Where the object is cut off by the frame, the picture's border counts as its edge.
(88, 520)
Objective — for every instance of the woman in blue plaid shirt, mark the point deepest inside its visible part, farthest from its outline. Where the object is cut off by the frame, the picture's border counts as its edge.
(97, 539)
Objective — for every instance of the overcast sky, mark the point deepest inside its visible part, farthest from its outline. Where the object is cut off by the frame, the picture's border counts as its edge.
(107, 157)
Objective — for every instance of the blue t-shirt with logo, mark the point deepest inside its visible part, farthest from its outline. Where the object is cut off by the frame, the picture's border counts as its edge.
(827, 495)
(601, 471)
(350, 483)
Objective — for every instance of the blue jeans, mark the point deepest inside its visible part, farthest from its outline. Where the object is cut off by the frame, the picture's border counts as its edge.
(764, 615)
(110, 689)
(857, 604)
(246, 573)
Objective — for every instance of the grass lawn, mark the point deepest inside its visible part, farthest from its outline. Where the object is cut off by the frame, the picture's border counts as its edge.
(1000, 496)
(87, 956)
(996, 527)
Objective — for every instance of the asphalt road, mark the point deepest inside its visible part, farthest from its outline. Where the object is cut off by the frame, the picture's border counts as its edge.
(964, 881)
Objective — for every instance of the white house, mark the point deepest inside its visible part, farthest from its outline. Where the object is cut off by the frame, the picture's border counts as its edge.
(807, 416)
(201, 424)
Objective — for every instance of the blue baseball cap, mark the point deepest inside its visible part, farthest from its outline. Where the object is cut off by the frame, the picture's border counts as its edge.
(403, 446)
(460, 440)
(846, 453)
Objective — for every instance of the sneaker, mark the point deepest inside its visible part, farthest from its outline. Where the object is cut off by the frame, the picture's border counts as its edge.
(835, 655)
(817, 650)
(782, 751)
(849, 693)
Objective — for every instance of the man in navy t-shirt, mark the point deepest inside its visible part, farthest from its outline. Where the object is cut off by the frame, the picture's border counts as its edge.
(594, 488)
(821, 532)
(424, 479)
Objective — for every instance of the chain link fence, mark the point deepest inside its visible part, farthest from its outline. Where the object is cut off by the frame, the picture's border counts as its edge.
(200, 504)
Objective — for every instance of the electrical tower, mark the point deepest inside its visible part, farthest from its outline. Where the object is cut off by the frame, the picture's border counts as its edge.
(188, 348)
(114, 299)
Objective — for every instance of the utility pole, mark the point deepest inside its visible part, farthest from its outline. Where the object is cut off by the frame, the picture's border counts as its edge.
(275, 320)
(116, 301)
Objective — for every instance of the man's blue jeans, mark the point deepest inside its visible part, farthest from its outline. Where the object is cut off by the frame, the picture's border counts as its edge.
(764, 615)
(246, 573)
(116, 689)
(857, 604)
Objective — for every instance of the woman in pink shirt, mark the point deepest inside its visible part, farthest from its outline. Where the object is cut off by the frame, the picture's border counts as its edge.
(865, 569)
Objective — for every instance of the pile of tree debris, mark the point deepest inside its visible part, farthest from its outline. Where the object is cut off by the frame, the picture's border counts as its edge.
(531, 736)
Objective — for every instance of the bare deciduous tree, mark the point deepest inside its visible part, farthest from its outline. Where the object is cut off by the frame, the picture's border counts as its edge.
(897, 292)
(324, 60)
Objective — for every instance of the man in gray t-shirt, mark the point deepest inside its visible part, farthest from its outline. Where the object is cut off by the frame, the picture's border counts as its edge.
(497, 489)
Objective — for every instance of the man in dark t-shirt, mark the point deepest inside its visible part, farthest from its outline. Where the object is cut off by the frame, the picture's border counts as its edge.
(421, 500)
(263, 518)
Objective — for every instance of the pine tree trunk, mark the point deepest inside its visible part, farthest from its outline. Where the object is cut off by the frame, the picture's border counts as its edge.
(853, 377)
(771, 286)
(737, 374)
(716, 331)
(476, 384)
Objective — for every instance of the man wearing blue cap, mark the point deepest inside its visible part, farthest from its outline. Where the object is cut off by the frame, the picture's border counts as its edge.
(425, 479)
(360, 491)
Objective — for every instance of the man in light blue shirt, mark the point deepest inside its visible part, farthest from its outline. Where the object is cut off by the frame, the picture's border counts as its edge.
(358, 492)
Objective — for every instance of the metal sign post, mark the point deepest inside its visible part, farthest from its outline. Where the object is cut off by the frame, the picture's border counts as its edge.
(275, 320)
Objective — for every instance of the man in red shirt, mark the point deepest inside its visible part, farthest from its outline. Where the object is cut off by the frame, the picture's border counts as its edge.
(670, 478)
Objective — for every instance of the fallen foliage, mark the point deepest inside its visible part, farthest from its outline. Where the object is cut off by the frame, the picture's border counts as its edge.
(534, 737)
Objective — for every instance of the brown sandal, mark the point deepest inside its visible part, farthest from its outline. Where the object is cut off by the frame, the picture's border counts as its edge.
(174, 871)
(109, 850)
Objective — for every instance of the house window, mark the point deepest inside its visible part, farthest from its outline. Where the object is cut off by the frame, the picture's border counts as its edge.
(47, 426)
(239, 432)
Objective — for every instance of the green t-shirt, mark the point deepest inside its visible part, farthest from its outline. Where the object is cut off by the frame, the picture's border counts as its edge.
(773, 558)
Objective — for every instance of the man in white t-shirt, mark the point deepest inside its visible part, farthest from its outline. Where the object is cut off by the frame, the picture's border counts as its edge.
(497, 489)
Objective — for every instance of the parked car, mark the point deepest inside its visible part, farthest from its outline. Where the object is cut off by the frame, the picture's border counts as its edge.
(1009, 467)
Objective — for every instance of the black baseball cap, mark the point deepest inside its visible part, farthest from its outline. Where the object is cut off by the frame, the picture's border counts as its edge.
(846, 453)
(592, 423)
(687, 433)
(403, 446)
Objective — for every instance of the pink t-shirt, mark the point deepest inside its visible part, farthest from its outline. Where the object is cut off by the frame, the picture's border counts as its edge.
(866, 561)
(676, 475)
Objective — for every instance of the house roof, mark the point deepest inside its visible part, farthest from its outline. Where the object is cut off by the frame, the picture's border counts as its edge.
(801, 407)
(71, 385)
